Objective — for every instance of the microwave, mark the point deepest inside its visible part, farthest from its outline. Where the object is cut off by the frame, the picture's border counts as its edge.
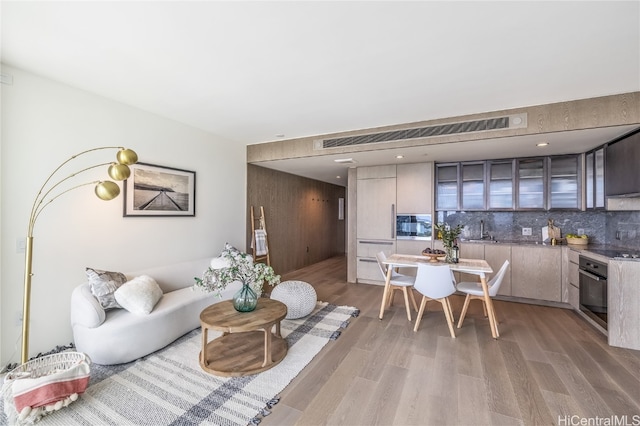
(413, 226)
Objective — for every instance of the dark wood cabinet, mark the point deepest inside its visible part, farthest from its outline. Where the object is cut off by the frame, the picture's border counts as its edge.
(621, 172)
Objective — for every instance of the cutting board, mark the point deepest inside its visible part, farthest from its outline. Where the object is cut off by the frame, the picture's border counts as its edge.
(549, 232)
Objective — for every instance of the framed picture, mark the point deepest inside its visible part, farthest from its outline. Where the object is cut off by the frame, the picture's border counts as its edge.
(159, 191)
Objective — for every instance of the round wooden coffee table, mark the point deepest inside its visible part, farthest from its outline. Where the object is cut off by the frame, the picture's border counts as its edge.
(247, 345)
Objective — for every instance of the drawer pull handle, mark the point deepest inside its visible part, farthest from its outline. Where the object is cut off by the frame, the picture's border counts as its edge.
(385, 243)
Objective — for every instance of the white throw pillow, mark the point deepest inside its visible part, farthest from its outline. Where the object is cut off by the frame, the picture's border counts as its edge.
(139, 295)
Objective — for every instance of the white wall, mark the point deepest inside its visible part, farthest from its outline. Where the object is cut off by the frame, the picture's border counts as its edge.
(43, 124)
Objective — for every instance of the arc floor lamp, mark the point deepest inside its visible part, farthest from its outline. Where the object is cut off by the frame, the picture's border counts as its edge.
(105, 190)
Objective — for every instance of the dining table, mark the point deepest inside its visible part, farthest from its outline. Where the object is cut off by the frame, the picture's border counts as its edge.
(478, 267)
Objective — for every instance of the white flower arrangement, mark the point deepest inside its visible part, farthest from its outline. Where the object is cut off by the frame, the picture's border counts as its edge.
(234, 265)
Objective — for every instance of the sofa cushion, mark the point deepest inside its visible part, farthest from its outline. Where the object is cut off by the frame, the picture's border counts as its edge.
(139, 295)
(86, 311)
(104, 284)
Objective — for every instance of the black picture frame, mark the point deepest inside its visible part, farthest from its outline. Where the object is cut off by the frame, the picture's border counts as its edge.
(154, 190)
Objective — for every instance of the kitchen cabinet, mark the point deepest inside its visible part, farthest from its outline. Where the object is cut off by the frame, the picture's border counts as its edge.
(538, 183)
(375, 204)
(621, 169)
(501, 181)
(531, 188)
(564, 183)
(472, 189)
(594, 179)
(411, 247)
(495, 255)
(623, 300)
(376, 172)
(447, 186)
(571, 277)
(470, 251)
(375, 219)
(536, 272)
(367, 268)
(414, 188)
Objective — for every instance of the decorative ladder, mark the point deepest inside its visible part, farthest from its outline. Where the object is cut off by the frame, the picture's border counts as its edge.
(261, 225)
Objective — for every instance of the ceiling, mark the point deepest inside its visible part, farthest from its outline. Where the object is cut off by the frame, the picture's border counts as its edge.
(253, 72)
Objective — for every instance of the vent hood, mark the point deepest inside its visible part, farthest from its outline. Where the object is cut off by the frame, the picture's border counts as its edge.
(622, 166)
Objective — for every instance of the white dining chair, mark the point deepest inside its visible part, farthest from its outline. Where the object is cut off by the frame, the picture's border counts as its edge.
(436, 282)
(398, 282)
(473, 290)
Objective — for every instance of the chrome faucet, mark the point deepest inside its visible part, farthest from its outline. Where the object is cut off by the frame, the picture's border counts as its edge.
(483, 234)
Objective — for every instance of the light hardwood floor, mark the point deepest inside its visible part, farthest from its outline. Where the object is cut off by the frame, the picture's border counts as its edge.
(549, 366)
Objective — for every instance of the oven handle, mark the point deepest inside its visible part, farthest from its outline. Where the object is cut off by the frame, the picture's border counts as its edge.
(590, 275)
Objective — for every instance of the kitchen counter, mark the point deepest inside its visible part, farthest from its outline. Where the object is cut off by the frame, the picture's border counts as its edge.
(509, 242)
(605, 251)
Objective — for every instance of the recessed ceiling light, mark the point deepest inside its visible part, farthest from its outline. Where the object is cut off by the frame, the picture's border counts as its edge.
(338, 177)
(344, 160)
(399, 157)
(541, 144)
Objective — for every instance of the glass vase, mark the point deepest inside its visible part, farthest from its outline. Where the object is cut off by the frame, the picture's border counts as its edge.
(245, 300)
(448, 254)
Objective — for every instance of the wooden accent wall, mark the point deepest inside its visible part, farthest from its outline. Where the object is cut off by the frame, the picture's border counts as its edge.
(301, 216)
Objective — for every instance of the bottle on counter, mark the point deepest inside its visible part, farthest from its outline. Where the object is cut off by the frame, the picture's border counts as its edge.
(455, 253)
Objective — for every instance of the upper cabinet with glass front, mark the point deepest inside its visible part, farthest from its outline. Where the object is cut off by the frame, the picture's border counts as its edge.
(472, 196)
(564, 182)
(447, 186)
(594, 179)
(539, 183)
(500, 190)
(531, 188)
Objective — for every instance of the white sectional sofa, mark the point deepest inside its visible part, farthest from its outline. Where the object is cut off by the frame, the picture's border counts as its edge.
(117, 336)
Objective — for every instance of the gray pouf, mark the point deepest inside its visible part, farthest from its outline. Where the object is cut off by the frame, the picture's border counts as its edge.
(299, 296)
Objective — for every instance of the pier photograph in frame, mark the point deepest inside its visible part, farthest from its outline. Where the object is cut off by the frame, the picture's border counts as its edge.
(153, 190)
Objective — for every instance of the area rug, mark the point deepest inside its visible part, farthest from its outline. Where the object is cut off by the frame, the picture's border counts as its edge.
(168, 387)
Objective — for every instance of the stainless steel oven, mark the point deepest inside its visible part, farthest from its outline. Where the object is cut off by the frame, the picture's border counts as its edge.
(413, 226)
(593, 289)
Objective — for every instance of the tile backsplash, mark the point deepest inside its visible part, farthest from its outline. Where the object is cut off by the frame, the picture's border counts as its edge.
(618, 228)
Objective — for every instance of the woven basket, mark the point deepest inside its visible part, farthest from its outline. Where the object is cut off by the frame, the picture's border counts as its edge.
(48, 364)
(44, 384)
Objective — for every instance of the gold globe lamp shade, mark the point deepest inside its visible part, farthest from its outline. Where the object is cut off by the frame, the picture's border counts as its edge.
(127, 156)
(119, 171)
(107, 190)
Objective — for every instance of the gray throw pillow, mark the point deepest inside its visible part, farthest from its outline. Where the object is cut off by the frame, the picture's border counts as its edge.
(104, 284)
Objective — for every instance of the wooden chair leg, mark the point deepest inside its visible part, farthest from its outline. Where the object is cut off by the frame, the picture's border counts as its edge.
(450, 310)
(413, 299)
(495, 318)
(484, 309)
(389, 301)
(406, 302)
(464, 310)
(423, 304)
(447, 314)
